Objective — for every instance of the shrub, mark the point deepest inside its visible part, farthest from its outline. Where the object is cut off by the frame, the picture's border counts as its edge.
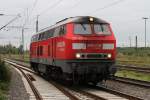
(4, 73)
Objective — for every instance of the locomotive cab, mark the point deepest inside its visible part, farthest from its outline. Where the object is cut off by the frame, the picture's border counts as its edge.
(92, 48)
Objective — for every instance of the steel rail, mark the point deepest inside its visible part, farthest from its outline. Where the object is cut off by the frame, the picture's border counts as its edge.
(140, 83)
(67, 93)
(130, 97)
(35, 91)
(133, 68)
(23, 67)
(89, 94)
(121, 94)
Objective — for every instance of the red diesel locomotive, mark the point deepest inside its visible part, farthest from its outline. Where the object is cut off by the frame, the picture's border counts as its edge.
(77, 49)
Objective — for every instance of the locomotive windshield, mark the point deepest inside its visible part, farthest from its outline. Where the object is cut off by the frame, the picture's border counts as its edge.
(82, 29)
(99, 29)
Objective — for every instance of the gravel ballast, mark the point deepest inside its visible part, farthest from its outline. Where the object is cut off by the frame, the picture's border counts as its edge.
(136, 91)
(17, 88)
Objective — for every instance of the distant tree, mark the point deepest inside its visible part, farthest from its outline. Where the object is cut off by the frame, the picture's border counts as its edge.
(6, 49)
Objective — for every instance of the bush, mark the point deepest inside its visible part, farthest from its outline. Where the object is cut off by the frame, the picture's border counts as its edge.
(4, 73)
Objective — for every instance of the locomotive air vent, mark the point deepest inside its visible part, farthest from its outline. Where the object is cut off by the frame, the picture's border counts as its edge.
(100, 56)
(93, 56)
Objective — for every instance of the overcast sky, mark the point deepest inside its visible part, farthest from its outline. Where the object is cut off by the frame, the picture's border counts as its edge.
(125, 17)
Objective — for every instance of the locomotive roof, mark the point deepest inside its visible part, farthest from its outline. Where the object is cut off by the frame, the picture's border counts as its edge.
(77, 19)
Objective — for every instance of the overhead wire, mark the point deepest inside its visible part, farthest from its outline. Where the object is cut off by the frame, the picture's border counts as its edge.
(32, 9)
(34, 5)
(50, 7)
(107, 6)
(76, 4)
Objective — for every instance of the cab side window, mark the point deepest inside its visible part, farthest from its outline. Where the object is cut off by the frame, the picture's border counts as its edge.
(62, 30)
(57, 30)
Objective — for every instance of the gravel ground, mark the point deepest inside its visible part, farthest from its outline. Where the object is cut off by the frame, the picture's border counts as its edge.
(130, 89)
(17, 89)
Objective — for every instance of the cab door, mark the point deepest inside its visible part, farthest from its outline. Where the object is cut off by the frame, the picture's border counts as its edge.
(54, 43)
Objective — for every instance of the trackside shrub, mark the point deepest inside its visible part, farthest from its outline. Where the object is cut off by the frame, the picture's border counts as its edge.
(4, 81)
(4, 73)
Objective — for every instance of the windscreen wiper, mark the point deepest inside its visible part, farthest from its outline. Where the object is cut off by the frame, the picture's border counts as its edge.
(101, 27)
(83, 26)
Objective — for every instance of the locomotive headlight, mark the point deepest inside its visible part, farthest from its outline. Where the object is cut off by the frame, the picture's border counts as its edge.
(78, 46)
(91, 19)
(108, 46)
(78, 55)
(109, 55)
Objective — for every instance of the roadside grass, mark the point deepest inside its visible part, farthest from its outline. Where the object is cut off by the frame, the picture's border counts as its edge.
(4, 88)
(26, 57)
(133, 75)
(139, 57)
(4, 81)
(16, 56)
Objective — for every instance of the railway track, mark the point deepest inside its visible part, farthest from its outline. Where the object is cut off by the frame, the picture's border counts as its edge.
(79, 94)
(133, 68)
(140, 83)
(30, 78)
(119, 67)
(34, 90)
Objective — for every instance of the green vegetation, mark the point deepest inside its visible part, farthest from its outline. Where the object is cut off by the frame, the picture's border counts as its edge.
(133, 75)
(139, 57)
(4, 81)
(26, 57)
(134, 56)
(9, 49)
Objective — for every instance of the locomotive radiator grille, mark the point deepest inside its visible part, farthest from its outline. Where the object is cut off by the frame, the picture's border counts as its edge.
(96, 56)
(93, 56)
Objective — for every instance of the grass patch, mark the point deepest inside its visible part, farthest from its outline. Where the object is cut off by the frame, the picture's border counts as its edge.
(139, 57)
(4, 81)
(4, 88)
(16, 56)
(133, 75)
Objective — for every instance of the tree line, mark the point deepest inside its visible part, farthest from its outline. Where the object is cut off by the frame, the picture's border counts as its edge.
(10, 49)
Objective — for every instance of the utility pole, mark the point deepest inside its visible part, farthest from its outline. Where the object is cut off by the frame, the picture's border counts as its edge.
(22, 43)
(145, 18)
(37, 23)
(136, 42)
(130, 40)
